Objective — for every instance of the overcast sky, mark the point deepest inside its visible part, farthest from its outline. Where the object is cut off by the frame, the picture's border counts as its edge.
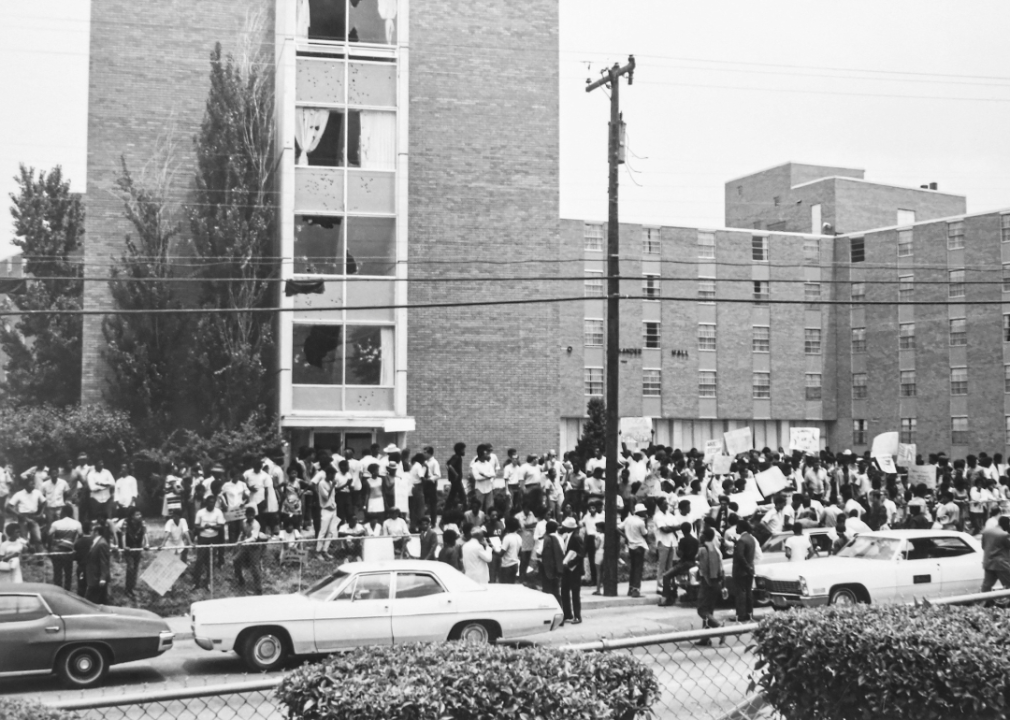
(911, 91)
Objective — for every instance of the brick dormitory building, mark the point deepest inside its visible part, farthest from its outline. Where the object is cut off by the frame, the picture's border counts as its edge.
(427, 175)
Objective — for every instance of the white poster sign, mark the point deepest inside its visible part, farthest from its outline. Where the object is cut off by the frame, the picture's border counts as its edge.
(772, 481)
(747, 503)
(885, 444)
(721, 464)
(712, 449)
(906, 454)
(886, 463)
(806, 440)
(738, 441)
(638, 429)
(161, 574)
(922, 475)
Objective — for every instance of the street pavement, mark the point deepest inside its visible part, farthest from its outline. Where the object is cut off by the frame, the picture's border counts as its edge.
(681, 670)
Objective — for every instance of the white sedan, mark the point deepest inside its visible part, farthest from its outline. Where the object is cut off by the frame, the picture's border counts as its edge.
(371, 603)
(891, 566)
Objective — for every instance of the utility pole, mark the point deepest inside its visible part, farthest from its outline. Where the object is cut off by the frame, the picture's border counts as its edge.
(612, 78)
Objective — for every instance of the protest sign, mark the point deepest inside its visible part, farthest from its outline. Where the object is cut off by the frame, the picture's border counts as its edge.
(806, 440)
(922, 475)
(161, 574)
(712, 448)
(747, 503)
(906, 454)
(772, 481)
(885, 444)
(721, 464)
(638, 429)
(233, 515)
(886, 463)
(377, 549)
(738, 441)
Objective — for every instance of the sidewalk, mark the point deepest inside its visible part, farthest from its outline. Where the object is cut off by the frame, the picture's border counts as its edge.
(180, 624)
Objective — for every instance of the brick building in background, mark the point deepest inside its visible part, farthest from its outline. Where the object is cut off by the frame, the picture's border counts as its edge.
(700, 365)
(404, 153)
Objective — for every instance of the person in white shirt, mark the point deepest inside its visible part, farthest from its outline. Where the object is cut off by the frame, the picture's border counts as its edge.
(27, 505)
(177, 537)
(56, 490)
(637, 470)
(417, 475)
(329, 522)
(431, 481)
(62, 535)
(476, 556)
(779, 517)
(209, 526)
(101, 484)
(512, 473)
(589, 522)
(598, 460)
(483, 472)
(854, 526)
(666, 527)
(125, 495)
(396, 528)
(234, 497)
(511, 545)
(798, 547)
(634, 531)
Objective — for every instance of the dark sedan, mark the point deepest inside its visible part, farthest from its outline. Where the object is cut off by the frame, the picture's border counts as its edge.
(45, 629)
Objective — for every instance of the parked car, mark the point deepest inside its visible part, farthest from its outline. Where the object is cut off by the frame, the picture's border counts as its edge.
(45, 629)
(880, 567)
(772, 552)
(371, 603)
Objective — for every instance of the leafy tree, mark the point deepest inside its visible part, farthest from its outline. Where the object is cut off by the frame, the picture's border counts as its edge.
(45, 435)
(146, 354)
(44, 351)
(594, 431)
(232, 222)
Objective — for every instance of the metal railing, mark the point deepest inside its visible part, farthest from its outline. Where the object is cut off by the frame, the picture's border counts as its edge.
(696, 680)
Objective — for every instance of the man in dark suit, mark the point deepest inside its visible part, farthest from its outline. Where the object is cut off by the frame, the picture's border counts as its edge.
(552, 559)
(743, 572)
(996, 555)
(97, 571)
(571, 578)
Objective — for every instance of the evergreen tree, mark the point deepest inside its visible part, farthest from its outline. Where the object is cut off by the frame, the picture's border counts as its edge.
(44, 351)
(232, 222)
(594, 431)
(147, 354)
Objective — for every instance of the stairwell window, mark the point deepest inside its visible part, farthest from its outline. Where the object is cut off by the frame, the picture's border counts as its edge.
(959, 381)
(858, 386)
(857, 250)
(813, 386)
(955, 284)
(905, 243)
(759, 248)
(908, 383)
(592, 236)
(955, 235)
(762, 385)
(706, 336)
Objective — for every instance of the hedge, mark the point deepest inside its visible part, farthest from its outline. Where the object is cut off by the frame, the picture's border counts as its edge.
(865, 662)
(15, 709)
(476, 682)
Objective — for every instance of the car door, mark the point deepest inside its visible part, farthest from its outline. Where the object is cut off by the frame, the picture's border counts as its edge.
(358, 615)
(423, 611)
(961, 565)
(29, 634)
(918, 571)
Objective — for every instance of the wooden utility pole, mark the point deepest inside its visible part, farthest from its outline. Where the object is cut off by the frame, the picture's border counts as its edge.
(612, 79)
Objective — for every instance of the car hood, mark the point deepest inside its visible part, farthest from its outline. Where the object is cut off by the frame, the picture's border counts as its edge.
(252, 607)
(831, 567)
(510, 597)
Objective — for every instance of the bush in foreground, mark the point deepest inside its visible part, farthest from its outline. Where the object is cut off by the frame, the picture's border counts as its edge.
(896, 662)
(14, 709)
(478, 682)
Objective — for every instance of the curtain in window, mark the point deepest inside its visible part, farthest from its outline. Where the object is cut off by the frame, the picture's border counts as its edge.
(378, 140)
(387, 11)
(303, 19)
(310, 123)
(388, 358)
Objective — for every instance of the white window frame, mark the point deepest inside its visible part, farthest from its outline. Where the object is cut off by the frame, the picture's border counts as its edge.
(962, 336)
(651, 287)
(762, 390)
(813, 382)
(906, 340)
(811, 346)
(759, 248)
(646, 336)
(859, 388)
(959, 386)
(858, 340)
(703, 246)
(652, 382)
(906, 288)
(591, 334)
(591, 241)
(764, 344)
(703, 287)
(707, 336)
(906, 383)
(905, 244)
(959, 436)
(650, 241)
(955, 235)
(589, 381)
(955, 283)
(708, 389)
(592, 278)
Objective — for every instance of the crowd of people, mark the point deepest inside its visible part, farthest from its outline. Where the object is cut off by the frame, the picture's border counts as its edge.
(534, 519)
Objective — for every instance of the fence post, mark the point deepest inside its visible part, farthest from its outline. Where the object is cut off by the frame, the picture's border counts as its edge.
(212, 550)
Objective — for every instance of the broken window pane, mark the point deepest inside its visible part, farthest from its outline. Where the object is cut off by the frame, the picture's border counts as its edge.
(371, 246)
(327, 20)
(372, 21)
(317, 352)
(329, 150)
(369, 355)
(319, 80)
(319, 245)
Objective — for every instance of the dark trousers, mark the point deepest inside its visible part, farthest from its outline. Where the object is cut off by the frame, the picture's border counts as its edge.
(670, 578)
(744, 587)
(708, 595)
(63, 569)
(248, 558)
(508, 575)
(571, 596)
(430, 490)
(524, 563)
(344, 508)
(517, 495)
(98, 594)
(132, 558)
(202, 565)
(82, 583)
(552, 586)
(457, 495)
(591, 556)
(233, 530)
(991, 576)
(636, 559)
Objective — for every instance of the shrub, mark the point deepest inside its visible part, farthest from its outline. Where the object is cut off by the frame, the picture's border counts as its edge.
(40, 435)
(458, 680)
(886, 662)
(14, 709)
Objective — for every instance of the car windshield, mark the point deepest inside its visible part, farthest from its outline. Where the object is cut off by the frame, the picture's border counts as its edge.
(871, 548)
(324, 588)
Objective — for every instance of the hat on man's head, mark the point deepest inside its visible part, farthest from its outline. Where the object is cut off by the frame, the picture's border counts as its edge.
(640, 508)
(391, 448)
(82, 456)
(569, 523)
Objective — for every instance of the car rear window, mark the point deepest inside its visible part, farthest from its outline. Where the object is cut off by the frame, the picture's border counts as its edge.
(64, 603)
(21, 608)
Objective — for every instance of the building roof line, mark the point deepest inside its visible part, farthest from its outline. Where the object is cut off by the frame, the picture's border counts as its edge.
(792, 162)
(873, 182)
(950, 218)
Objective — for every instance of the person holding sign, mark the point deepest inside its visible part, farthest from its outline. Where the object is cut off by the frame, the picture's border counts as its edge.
(234, 496)
(209, 524)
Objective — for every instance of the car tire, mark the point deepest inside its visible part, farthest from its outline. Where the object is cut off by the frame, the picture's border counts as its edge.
(844, 597)
(475, 632)
(82, 666)
(265, 650)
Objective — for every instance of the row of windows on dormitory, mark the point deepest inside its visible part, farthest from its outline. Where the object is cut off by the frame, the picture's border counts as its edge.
(594, 239)
(907, 428)
(905, 246)
(708, 386)
(760, 340)
(957, 334)
(652, 382)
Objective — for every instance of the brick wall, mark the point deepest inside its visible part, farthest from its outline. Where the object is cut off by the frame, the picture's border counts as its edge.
(484, 188)
(148, 80)
(861, 206)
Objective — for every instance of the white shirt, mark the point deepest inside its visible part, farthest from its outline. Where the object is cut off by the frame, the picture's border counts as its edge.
(257, 480)
(126, 490)
(209, 522)
(589, 521)
(55, 490)
(664, 519)
(776, 521)
(434, 469)
(395, 527)
(234, 493)
(510, 546)
(475, 561)
(637, 469)
(513, 474)
(26, 502)
(797, 547)
(101, 483)
(483, 472)
(593, 463)
(175, 533)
